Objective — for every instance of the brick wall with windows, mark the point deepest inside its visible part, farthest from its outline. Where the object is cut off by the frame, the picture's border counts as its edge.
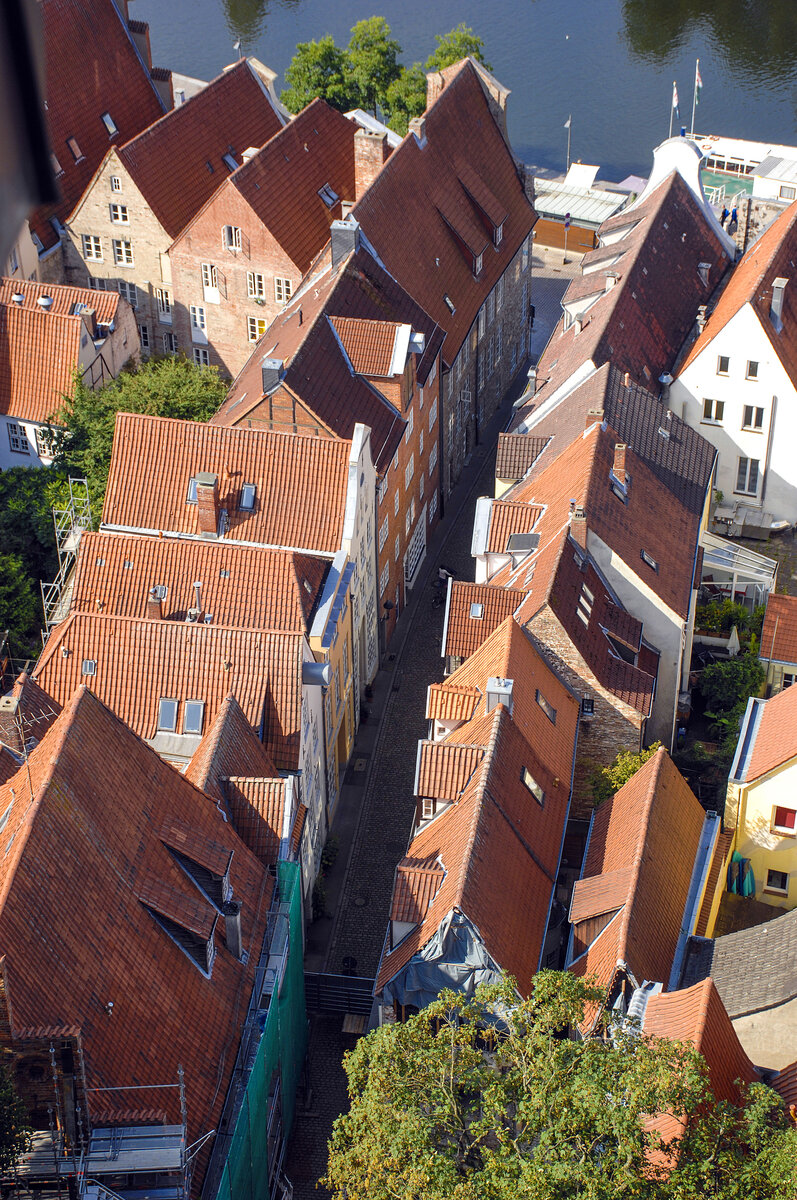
(251, 284)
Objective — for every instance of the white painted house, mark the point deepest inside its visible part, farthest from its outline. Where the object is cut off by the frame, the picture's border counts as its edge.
(737, 382)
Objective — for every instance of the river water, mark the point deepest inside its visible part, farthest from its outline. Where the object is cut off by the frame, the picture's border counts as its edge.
(611, 63)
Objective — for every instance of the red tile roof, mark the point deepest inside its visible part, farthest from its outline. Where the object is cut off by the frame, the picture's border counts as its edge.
(751, 282)
(177, 162)
(774, 734)
(38, 355)
(301, 481)
(92, 67)
(464, 632)
(445, 768)
(88, 819)
(448, 702)
(516, 453)
(230, 747)
(499, 850)
(27, 712)
(430, 199)
(508, 517)
(64, 298)
(245, 586)
(639, 864)
(257, 808)
(785, 1083)
(139, 662)
(779, 632)
(368, 344)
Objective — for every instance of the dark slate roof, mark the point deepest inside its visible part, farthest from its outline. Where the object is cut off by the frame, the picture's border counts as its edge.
(753, 970)
(516, 453)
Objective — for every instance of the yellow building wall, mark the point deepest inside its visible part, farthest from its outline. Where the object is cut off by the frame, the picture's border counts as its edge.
(751, 808)
(339, 716)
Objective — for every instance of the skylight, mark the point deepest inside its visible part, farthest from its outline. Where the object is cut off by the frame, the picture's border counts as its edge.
(248, 494)
(328, 195)
(109, 124)
(449, 303)
(229, 161)
(477, 612)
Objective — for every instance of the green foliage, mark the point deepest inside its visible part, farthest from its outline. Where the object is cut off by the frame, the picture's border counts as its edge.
(318, 69)
(20, 609)
(14, 1129)
(405, 98)
(720, 616)
(757, 620)
(373, 62)
(163, 387)
(725, 686)
(605, 781)
(443, 1107)
(28, 556)
(459, 43)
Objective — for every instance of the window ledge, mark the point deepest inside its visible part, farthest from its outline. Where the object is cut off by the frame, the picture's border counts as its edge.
(774, 892)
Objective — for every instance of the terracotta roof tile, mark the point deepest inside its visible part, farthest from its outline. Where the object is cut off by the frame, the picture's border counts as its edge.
(257, 808)
(27, 711)
(196, 846)
(444, 769)
(785, 1083)
(416, 885)
(298, 828)
(245, 586)
(464, 631)
(446, 702)
(425, 197)
(301, 481)
(368, 344)
(508, 517)
(88, 52)
(38, 355)
(64, 298)
(645, 840)
(779, 631)
(177, 164)
(516, 453)
(139, 662)
(775, 734)
(230, 747)
(89, 822)
(9, 764)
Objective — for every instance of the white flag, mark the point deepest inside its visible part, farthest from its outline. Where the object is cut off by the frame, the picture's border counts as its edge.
(567, 122)
(674, 96)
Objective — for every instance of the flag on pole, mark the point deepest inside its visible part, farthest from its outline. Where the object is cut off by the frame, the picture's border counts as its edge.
(675, 99)
(698, 82)
(567, 123)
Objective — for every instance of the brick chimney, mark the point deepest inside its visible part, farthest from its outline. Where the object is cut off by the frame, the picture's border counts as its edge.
(434, 86)
(578, 526)
(371, 152)
(594, 417)
(207, 503)
(154, 606)
(619, 461)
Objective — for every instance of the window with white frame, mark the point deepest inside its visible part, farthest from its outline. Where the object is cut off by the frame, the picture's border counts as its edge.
(432, 459)
(396, 548)
(747, 476)
(433, 414)
(407, 523)
(283, 289)
(255, 285)
(122, 253)
(482, 321)
(201, 356)
(163, 298)
(210, 283)
(410, 425)
(432, 506)
(546, 707)
(109, 124)
(45, 447)
(143, 333)
(491, 307)
(420, 443)
(92, 248)
(256, 327)
(381, 488)
(499, 295)
(499, 343)
(75, 150)
(786, 192)
(193, 716)
(384, 577)
(396, 503)
(753, 417)
(231, 238)
(525, 256)
(498, 235)
(752, 370)
(409, 471)
(478, 263)
(778, 881)
(723, 364)
(529, 782)
(119, 214)
(17, 438)
(383, 531)
(167, 714)
(103, 285)
(128, 291)
(116, 183)
(713, 411)
(58, 170)
(169, 343)
(198, 323)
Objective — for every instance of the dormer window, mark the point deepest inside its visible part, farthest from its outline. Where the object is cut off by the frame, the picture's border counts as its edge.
(190, 924)
(248, 494)
(109, 124)
(703, 270)
(498, 235)
(478, 263)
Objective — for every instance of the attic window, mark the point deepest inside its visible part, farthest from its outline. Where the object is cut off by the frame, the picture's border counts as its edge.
(328, 195)
(109, 124)
(587, 706)
(247, 500)
(223, 574)
(58, 170)
(100, 562)
(619, 488)
(193, 716)
(77, 153)
(167, 715)
(476, 612)
(528, 781)
(191, 497)
(200, 949)
(229, 161)
(546, 707)
(703, 271)
(449, 303)
(585, 603)
(498, 235)
(89, 666)
(649, 559)
(478, 263)
(128, 566)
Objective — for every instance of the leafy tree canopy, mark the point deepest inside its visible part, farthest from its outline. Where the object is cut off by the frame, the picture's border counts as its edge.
(20, 610)
(14, 1130)
(318, 69)
(440, 1109)
(727, 685)
(451, 47)
(373, 62)
(605, 781)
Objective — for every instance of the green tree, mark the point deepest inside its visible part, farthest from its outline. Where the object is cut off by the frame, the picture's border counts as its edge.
(318, 69)
(725, 686)
(405, 98)
(605, 781)
(442, 1107)
(163, 387)
(456, 44)
(14, 1129)
(372, 63)
(20, 609)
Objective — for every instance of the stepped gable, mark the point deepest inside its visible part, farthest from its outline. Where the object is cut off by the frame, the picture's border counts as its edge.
(99, 812)
(229, 748)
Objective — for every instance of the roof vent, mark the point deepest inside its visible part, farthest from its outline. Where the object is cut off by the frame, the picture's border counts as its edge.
(701, 318)
(776, 307)
(344, 239)
(18, 298)
(579, 322)
(611, 279)
(499, 691)
(273, 371)
(316, 674)
(45, 302)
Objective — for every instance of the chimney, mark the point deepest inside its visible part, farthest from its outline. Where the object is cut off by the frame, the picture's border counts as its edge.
(198, 594)
(18, 298)
(272, 371)
(232, 927)
(619, 461)
(499, 691)
(45, 302)
(594, 417)
(626, 380)
(370, 154)
(418, 129)
(248, 153)
(532, 376)
(154, 605)
(701, 318)
(776, 307)
(579, 323)
(434, 86)
(611, 279)
(344, 239)
(578, 526)
(207, 503)
(665, 380)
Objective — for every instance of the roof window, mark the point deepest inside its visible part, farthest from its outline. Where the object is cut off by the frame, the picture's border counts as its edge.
(159, 591)
(528, 781)
(167, 715)
(546, 707)
(109, 124)
(478, 263)
(192, 931)
(476, 612)
(89, 666)
(649, 559)
(328, 195)
(58, 170)
(229, 161)
(193, 716)
(449, 303)
(191, 497)
(77, 153)
(248, 494)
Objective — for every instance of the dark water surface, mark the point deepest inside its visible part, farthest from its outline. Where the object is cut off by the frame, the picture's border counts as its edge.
(610, 62)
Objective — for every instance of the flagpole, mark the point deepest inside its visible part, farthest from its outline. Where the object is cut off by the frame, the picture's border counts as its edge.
(694, 97)
(672, 109)
(569, 123)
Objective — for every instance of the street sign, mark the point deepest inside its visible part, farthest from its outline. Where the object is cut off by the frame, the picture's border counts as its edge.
(567, 220)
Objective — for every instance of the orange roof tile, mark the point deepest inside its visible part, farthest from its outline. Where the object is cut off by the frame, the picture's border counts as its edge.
(467, 626)
(772, 724)
(417, 883)
(444, 769)
(298, 828)
(246, 586)
(139, 662)
(88, 52)
(639, 859)
(177, 162)
(301, 481)
(369, 345)
(257, 809)
(64, 298)
(450, 703)
(9, 764)
(86, 816)
(779, 631)
(785, 1083)
(508, 517)
(230, 747)
(39, 352)
(27, 711)
(198, 847)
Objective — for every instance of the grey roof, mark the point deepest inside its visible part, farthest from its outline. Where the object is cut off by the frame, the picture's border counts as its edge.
(753, 970)
(589, 207)
(778, 168)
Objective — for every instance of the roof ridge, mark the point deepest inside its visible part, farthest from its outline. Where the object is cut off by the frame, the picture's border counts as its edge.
(226, 73)
(123, 417)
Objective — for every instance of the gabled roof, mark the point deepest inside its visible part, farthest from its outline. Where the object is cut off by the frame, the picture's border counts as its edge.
(499, 851)
(39, 352)
(318, 370)
(139, 662)
(246, 586)
(369, 345)
(92, 67)
(430, 199)
(301, 481)
(785, 1084)
(779, 631)
(629, 904)
(641, 318)
(508, 517)
(257, 809)
(93, 805)
(26, 713)
(473, 612)
(768, 736)
(64, 298)
(769, 258)
(230, 747)
(753, 969)
(450, 702)
(516, 453)
(177, 163)
(444, 768)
